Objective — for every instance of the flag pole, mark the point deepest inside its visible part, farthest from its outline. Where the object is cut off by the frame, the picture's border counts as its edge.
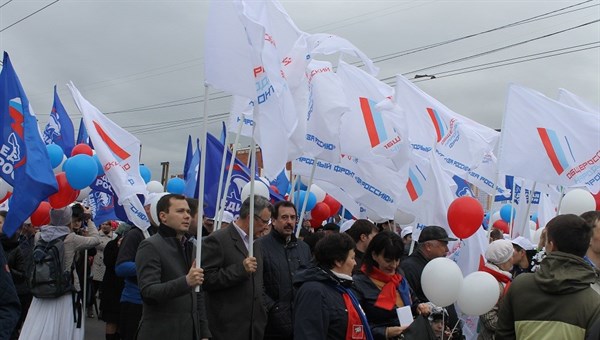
(201, 181)
(223, 200)
(305, 200)
(512, 209)
(252, 181)
(84, 289)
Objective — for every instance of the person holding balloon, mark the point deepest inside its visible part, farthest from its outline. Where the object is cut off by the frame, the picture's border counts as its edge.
(499, 256)
(381, 288)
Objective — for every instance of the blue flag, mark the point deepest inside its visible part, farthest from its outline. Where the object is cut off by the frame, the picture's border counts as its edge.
(191, 175)
(223, 136)
(188, 157)
(102, 184)
(25, 162)
(59, 129)
(102, 206)
(82, 135)
(240, 177)
(281, 182)
(516, 195)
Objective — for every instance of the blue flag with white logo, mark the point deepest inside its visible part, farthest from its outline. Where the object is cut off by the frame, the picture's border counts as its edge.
(25, 162)
(102, 206)
(59, 129)
(190, 175)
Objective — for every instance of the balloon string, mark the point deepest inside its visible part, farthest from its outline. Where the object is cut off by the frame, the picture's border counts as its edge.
(454, 328)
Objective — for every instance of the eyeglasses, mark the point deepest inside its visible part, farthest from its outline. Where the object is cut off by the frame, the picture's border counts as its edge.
(263, 221)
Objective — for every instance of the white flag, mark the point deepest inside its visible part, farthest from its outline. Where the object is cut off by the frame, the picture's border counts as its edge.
(327, 104)
(374, 129)
(371, 185)
(572, 100)
(119, 153)
(461, 143)
(241, 113)
(549, 142)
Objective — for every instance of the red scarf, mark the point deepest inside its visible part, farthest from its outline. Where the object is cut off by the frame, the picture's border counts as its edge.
(355, 329)
(387, 297)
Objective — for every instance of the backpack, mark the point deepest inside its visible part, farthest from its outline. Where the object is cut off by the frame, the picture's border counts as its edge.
(47, 278)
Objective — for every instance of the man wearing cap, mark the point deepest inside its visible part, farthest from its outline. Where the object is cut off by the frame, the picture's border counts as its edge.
(433, 243)
(523, 252)
(406, 235)
(556, 301)
(226, 219)
(283, 255)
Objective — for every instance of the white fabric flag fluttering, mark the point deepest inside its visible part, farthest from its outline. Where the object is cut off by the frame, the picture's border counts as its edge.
(119, 154)
(572, 100)
(550, 142)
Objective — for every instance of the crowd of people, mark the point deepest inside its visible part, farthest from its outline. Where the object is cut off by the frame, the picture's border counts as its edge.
(340, 281)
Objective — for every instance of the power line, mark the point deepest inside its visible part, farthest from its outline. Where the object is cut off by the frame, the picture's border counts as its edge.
(504, 47)
(516, 23)
(27, 16)
(6, 3)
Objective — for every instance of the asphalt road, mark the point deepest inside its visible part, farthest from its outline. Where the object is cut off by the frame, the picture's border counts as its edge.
(94, 328)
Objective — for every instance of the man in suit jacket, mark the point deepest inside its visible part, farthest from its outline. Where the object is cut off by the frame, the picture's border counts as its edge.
(233, 280)
(167, 277)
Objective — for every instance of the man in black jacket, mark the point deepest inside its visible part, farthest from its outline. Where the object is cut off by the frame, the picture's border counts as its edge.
(283, 255)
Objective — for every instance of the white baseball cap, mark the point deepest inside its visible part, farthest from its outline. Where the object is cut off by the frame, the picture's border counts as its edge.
(523, 243)
(406, 231)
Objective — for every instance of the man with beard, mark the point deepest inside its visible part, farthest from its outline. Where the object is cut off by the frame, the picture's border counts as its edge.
(282, 255)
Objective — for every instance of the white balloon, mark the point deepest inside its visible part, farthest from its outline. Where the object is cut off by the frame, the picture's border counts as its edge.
(153, 202)
(535, 237)
(83, 194)
(479, 293)
(260, 189)
(577, 201)
(319, 193)
(441, 281)
(532, 225)
(403, 218)
(155, 187)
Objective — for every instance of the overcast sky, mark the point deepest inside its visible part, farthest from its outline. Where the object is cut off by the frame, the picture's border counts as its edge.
(141, 62)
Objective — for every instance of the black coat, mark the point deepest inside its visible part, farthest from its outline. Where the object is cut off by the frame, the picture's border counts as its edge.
(281, 262)
(112, 285)
(320, 312)
(16, 262)
(10, 308)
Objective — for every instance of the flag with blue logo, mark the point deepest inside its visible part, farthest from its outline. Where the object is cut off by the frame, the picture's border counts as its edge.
(102, 206)
(59, 129)
(190, 174)
(223, 136)
(25, 162)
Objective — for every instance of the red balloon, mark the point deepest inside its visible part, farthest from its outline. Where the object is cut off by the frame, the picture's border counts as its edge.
(597, 198)
(465, 215)
(316, 223)
(82, 149)
(334, 205)
(8, 194)
(274, 189)
(320, 212)
(41, 215)
(65, 195)
(502, 225)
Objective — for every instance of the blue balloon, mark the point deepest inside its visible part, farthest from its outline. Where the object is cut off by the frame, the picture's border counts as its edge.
(299, 200)
(506, 211)
(56, 154)
(81, 171)
(100, 168)
(65, 165)
(145, 173)
(534, 217)
(176, 185)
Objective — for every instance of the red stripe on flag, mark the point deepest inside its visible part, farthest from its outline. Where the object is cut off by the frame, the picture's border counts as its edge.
(412, 192)
(369, 122)
(110, 143)
(550, 150)
(436, 124)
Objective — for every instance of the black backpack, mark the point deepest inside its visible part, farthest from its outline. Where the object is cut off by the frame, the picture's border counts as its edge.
(47, 278)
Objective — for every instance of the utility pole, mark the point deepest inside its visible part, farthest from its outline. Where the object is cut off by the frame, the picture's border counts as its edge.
(164, 177)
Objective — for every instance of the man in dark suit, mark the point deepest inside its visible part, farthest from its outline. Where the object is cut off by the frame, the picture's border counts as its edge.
(233, 280)
(167, 277)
